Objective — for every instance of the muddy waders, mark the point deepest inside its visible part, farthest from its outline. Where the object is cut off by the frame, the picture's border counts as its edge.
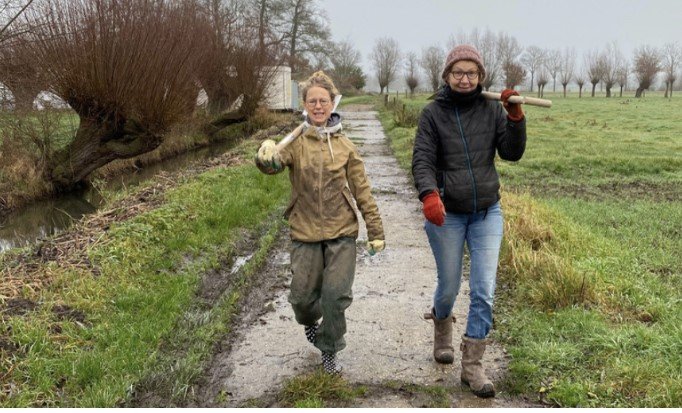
(321, 288)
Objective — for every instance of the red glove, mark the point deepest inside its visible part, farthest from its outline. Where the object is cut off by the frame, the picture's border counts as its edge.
(514, 111)
(434, 210)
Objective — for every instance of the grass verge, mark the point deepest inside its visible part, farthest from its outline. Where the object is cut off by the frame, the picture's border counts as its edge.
(95, 331)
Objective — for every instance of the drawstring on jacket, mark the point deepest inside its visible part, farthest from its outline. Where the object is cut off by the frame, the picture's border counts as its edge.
(333, 126)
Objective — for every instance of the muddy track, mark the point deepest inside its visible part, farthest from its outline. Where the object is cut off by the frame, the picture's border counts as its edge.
(388, 340)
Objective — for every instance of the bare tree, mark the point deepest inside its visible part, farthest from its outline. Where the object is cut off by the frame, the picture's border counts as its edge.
(612, 61)
(268, 15)
(622, 77)
(647, 64)
(216, 72)
(553, 65)
(514, 74)
(567, 67)
(487, 45)
(386, 58)
(543, 78)
(595, 68)
(411, 76)
(432, 63)
(10, 11)
(307, 32)
(346, 69)
(240, 57)
(509, 50)
(126, 68)
(580, 81)
(533, 58)
(19, 73)
(672, 54)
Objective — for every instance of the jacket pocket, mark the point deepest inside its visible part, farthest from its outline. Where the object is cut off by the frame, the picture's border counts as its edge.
(349, 198)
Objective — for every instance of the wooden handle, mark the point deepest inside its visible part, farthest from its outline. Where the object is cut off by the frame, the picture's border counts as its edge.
(544, 103)
(290, 137)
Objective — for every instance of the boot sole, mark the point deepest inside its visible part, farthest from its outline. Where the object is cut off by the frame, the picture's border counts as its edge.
(445, 360)
(485, 394)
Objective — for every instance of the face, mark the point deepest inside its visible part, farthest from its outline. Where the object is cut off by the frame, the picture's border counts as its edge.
(460, 77)
(318, 103)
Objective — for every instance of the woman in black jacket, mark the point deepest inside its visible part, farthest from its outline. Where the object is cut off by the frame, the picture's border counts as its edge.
(454, 171)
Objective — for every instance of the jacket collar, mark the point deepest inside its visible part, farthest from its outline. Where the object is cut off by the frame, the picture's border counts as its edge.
(333, 125)
(449, 96)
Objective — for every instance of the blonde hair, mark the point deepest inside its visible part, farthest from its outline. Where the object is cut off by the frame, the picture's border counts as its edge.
(319, 79)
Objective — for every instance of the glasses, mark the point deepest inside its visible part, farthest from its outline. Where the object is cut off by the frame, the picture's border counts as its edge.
(459, 75)
(313, 102)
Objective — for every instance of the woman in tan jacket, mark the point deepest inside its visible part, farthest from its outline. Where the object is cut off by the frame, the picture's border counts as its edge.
(326, 174)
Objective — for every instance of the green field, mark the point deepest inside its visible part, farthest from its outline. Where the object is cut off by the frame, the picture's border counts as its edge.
(590, 291)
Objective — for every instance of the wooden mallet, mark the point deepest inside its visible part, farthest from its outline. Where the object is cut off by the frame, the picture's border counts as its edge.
(543, 103)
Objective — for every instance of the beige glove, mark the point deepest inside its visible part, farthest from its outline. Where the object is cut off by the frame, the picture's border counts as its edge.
(375, 246)
(268, 159)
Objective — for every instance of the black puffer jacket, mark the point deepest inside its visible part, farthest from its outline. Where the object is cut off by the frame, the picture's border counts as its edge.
(454, 149)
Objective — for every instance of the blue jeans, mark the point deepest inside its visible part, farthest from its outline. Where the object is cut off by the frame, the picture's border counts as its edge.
(482, 232)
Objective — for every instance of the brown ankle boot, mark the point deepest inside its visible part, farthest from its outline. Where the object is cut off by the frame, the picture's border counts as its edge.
(443, 351)
(473, 373)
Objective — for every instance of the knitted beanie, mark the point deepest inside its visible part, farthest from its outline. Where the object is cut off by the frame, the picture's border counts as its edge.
(463, 52)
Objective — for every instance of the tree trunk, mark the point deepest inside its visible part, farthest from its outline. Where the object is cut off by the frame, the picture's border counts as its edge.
(638, 93)
(219, 100)
(23, 96)
(532, 75)
(621, 91)
(96, 144)
(580, 92)
(608, 91)
(594, 86)
(666, 89)
(224, 121)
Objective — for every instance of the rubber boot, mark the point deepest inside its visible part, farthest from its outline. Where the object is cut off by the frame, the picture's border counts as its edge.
(311, 332)
(330, 364)
(473, 374)
(443, 351)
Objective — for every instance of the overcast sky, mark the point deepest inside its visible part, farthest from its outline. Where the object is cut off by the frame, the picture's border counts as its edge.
(583, 24)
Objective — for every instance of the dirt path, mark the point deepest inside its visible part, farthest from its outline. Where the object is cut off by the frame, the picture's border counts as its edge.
(387, 338)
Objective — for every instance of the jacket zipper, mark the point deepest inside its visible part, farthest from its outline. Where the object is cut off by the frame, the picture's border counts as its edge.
(319, 191)
(466, 152)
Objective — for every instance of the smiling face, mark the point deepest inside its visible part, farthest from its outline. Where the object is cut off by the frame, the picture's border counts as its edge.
(318, 103)
(461, 74)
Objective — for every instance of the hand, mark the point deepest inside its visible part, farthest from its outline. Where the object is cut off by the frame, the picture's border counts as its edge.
(375, 246)
(514, 111)
(434, 210)
(268, 159)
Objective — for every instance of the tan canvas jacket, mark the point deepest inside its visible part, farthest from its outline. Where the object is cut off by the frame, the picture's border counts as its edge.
(323, 189)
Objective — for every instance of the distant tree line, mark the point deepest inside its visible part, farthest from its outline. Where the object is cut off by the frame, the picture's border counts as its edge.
(509, 65)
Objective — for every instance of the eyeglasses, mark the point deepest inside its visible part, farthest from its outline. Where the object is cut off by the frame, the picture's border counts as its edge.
(459, 75)
(313, 102)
